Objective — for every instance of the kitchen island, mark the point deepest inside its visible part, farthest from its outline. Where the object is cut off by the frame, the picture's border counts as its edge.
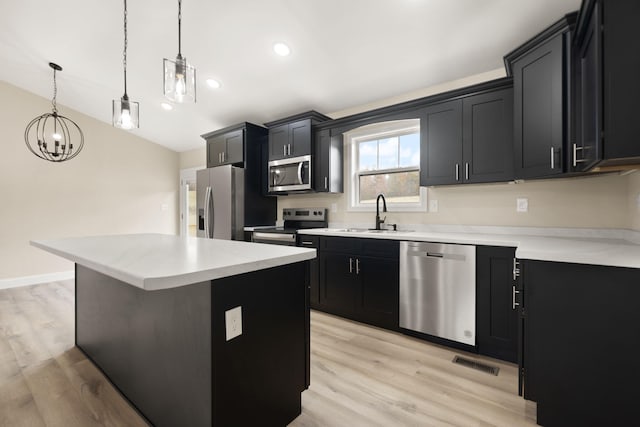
(195, 332)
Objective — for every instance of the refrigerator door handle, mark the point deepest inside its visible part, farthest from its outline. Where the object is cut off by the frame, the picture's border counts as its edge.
(206, 212)
(211, 209)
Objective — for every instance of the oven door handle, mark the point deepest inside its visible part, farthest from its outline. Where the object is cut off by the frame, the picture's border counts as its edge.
(275, 237)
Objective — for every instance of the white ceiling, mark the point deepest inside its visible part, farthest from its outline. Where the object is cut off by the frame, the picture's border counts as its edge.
(344, 53)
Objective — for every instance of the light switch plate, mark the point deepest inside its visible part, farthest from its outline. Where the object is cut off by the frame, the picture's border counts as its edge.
(522, 204)
(334, 207)
(433, 205)
(233, 322)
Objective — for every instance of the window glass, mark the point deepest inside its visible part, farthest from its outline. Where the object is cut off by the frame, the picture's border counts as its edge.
(397, 187)
(410, 150)
(368, 155)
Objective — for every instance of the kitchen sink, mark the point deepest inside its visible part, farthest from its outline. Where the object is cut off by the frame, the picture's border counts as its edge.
(369, 230)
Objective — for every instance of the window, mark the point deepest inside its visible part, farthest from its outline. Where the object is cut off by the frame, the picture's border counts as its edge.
(385, 158)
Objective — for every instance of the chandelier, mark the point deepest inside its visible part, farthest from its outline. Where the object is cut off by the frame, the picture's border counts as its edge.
(49, 136)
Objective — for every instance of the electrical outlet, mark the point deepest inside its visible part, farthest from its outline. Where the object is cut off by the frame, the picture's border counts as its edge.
(233, 322)
(522, 205)
(433, 205)
(334, 207)
(164, 207)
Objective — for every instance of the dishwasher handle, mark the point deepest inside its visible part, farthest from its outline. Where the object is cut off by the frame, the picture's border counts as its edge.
(435, 254)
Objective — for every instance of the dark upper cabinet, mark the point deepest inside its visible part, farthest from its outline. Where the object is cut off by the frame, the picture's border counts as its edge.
(327, 162)
(607, 85)
(245, 145)
(541, 71)
(487, 137)
(441, 143)
(497, 315)
(226, 149)
(293, 136)
(468, 140)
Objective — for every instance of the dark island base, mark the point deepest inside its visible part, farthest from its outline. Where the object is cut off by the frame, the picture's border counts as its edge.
(167, 353)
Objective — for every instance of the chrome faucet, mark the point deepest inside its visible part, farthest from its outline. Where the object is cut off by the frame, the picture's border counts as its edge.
(379, 221)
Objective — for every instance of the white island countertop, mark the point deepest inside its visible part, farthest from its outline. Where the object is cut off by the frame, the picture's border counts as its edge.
(159, 261)
(614, 252)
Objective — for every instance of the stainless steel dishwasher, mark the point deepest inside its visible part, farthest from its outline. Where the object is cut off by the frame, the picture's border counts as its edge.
(438, 290)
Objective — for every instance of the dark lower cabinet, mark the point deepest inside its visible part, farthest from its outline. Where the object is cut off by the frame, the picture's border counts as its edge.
(359, 279)
(581, 343)
(313, 272)
(497, 314)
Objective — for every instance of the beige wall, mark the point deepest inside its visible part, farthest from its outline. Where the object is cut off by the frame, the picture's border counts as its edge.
(607, 201)
(119, 183)
(193, 158)
(634, 200)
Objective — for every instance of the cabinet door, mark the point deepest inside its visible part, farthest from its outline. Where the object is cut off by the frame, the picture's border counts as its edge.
(378, 298)
(338, 283)
(234, 142)
(215, 150)
(497, 317)
(488, 137)
(441, 144)
(587, 149)
(321, 160)
(538, 110)
(299, 138)
(278, 141)
(314, 270)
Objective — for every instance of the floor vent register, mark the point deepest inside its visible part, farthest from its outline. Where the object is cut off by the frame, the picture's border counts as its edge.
(493, 370)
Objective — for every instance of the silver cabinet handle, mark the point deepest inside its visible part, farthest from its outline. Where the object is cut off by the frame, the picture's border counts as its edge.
(306, 243)
(223, 156)
(289, 149)
(466, 171)
(350, 265)
(552, 159)
(514, 304)
(300, 164)
(326, 183)
(457, 172)
(516, 269)
(575, 155)
(284, 150)
(357, 266)
(219, 158)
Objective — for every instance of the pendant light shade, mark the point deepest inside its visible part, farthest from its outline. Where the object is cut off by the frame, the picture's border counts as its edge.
(126, 113)
(179, 76)
(52, 136)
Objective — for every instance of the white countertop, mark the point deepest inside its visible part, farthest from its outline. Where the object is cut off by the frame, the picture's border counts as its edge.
(580, 250)
(159, 261)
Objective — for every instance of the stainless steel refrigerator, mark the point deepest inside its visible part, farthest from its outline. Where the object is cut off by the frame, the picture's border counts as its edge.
(220, 202)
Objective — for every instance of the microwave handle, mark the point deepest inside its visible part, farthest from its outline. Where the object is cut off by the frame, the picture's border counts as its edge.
(300, 172)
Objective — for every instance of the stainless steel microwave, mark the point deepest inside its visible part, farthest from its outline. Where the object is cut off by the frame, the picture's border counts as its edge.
(293, 174)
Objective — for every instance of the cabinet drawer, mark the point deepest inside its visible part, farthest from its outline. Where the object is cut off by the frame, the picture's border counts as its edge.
(339, 244)
(308, 241)
(381, 248)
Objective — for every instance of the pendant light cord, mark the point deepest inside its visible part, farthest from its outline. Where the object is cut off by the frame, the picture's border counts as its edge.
(55, 93)
(124, 54)
(179, 27)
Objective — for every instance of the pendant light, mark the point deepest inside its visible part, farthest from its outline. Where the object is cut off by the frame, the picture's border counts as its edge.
(179, 76)
(49, 136)
(125, 112)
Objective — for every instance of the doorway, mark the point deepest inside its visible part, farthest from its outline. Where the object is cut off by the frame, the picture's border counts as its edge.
(188, 201)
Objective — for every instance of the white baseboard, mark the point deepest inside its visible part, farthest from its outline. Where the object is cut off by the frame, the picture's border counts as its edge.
(34, 280)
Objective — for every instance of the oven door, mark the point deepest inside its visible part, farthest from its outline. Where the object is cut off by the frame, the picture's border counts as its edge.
(290, 174)
(286, 239)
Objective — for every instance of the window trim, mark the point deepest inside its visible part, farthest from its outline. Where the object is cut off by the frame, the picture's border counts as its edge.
(372, 132)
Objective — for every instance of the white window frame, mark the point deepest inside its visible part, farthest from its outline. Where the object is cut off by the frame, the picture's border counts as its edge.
(369, 132)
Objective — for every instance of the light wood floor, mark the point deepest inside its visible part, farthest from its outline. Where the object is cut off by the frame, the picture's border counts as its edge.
(360, 376)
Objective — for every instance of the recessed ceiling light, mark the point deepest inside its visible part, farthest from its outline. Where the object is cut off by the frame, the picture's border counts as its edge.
(166, 106)
(281, 49)
(213, 83)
